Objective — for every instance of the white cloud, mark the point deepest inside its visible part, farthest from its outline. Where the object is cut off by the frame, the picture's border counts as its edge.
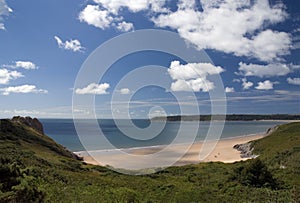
(6, 75)
(133, 5)
(81, 111)
(73, 45)
(296, 45)
(28, 65)
(156, 113)
(186, 4)
(286, 92)
(93, 88)
(293, 81)
(93, 15)
(125, 91)
(246, 85)
(247, 35)
(106, 13)
(266, 85)
(192, 70)
(105, 16)
(22, 89)
(294, 66)
(4, 11)
(270, 70)
(115, 6)
(124, 26)
(296, 38)
(25, 64)
(209, 29)
(270, 45)
(192, 76)
(229, 89)
(157, 6)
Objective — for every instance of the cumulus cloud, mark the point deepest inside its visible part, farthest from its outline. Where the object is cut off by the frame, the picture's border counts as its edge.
(125, 91)
(73, 45)
(4, 11)
(133, 5)
(249, 33)
(124, 26)
(22, 89)
(93, 88)
(246, 36)
(25, 64)
(104, 18)
(93, 15)
(293, 81)
(270, 70)
(246, 84)
(266, 85)
(192, 76)
(115, 6)
(6, 75)
(229, 89)
(106, 13)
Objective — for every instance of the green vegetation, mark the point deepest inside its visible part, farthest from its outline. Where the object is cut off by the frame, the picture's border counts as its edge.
(36, 169)
(230, 117)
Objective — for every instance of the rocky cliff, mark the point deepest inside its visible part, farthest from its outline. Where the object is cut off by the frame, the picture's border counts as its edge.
(31, 122)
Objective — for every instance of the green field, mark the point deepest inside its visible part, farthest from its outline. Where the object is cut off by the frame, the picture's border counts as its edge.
(36, 169)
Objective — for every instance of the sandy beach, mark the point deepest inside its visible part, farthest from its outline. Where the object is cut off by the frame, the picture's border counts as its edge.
(211, 151)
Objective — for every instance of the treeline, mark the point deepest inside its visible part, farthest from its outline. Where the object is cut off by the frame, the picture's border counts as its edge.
(230, 117)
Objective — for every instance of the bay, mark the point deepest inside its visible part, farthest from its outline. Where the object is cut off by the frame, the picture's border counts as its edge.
(64, 132)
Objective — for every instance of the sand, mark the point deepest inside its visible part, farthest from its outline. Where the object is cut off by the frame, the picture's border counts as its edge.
(211, 151)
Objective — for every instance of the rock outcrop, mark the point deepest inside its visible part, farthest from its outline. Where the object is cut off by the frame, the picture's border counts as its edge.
(31, 122)
(245, 149)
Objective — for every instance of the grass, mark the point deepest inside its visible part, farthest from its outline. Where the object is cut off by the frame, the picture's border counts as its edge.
(51, 174)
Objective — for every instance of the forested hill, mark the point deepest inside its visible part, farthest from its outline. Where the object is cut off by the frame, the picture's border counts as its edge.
(34, 168)
(230, 117)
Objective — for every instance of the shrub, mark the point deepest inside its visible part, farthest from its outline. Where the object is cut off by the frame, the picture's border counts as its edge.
(255, 174)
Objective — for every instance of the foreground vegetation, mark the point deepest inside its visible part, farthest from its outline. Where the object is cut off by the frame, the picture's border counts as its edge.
(33, 168)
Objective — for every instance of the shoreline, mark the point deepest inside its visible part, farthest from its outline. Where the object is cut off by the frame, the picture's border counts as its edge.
(163, 145)
(222, 152)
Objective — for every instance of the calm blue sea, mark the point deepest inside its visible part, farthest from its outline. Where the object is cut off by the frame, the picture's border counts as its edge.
(63, 131)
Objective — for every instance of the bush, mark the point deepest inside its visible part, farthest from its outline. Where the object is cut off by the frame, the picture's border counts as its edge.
(255, 174)
(15, 185)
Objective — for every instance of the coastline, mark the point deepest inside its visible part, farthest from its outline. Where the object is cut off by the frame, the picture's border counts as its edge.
(222, 152)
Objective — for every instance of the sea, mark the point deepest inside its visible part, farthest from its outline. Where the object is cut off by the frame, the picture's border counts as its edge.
(122, 134)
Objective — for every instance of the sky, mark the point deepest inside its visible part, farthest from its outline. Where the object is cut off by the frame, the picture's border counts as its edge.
(254, 46)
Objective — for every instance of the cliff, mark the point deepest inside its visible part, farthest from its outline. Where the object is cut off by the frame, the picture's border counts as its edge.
(30, 130)
(31, 122)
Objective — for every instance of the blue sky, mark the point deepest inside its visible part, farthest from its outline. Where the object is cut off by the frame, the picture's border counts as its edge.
(254, 47)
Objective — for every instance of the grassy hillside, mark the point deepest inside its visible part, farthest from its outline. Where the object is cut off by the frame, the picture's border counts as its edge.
(33, 168)
(281, 152)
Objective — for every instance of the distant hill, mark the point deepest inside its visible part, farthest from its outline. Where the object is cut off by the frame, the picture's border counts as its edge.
(229, 117)
(34, 168)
